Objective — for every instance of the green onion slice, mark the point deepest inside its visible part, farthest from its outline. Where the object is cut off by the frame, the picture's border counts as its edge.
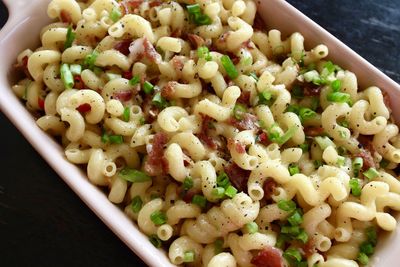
(292, 254)
(199, 200)
(287, 205)
(229, 67)
(187, 183)
(115, 14)
(371, 173)
(134, 176)
(127, 114)
(136, 204)
(324, 142)
(251, 227)
(158, 217)
(155, 241)
(238, 111)
(70, 38)
(230, 191)
(218, 192)
(159, 101)
(188, 256)
(66, 76)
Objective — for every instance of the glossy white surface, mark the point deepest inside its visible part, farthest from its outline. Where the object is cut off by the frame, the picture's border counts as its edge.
(22, 31)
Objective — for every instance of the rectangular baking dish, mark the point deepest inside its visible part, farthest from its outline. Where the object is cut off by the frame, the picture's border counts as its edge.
(22, 31)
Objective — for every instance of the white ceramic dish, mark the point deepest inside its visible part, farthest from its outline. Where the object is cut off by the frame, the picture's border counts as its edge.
(22, 31)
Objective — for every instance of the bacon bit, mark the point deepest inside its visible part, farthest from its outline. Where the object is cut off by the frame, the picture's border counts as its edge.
(176, 33)
(206, 139)
(155, 3)
(84, 108)
(368, 160)
(386, 100)
(150, 111)
(248, 122)
(129, 5)
(313, 131)
(168, 90)
(259, 23)
(78, 82)
(244, 97)
(237, 176)
(367, 149)
(177, 62)
(65, 16)
(263, 139)
(239, 147)
(143, 48)
(127, 75)
(156, 164)
(269, 187)
(41, 103)
(23, 66)
(248, 44)
(311, 89)
(123, 46)
(150, 52)
(187, 196)
(309, 247)
(195, 40)
(268, 257)
(123, 95)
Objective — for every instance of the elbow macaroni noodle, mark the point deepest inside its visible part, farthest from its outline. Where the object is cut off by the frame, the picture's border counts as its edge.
(199, 150)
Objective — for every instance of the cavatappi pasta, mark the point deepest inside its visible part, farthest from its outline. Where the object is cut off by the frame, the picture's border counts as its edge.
(227, 144)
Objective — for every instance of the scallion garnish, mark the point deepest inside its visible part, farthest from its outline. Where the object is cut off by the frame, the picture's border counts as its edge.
(196, 16)
(223, 180)
(357, 164)
(297, 92)
(115, 14)
(324, 142)
(199, 200)
(238, 111)
(317, 163)
(66, 76)
(148, 88)
(340, 161)
(264, 98)
(116, 139)
(371, 173)
(155, 241)
(339, 97)
(136, 204)
(302, 236)
(286, 136)
(126, 116)
(314, 103)
(362, 258)
(304, 147)
(135, 80)
(203, 52)
(230, 191)
(296, 218)
(158, 217)
(254, 76)
(229, 67)
(306, 114)
(293, 169)
(75, 69)
(90, 60)
(287, 205)
(335, 85)
(159, 101)
(134, 176)
(111, 76)
(218, 192)
(188, 256)
(292, 254)
(251, 227)
(70, 38)
(355, 187)
(187, 183)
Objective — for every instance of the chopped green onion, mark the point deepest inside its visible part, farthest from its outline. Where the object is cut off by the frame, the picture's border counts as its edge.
(230, 191)
(158, 217)
(229, 67)
(90, 60)
(314, 103)
(363, 258)
(188, 256)
(317, 163)
(75, 69)
(371, 173)
(306, 114)
(187, 183)
(264, 97)
(218, 192)
(199, 200)
(341, 150)
(372, 235)
(324, 142)
(159, 101)
(292, 254)
(344, 124)
(116, 139)
(98, 71)
(339, 97)
(66, 76)
(196, 16)
(218, 246)
(357, 164)
(340, 161)
(287, 205)
(296, 218)
(367, 248)
(355, 187)
(127, 114)
(293, 169)
(104, 138)
(134, 176)
(335, 85)
(148, 88)
(286, 136)
(111, 76)
(115, 14)
(281, 240)
(70, 38)
(303, 237)
(238, 111)
(203, 52)
(223, 180)
(330, 67)
(311, 76)
(291, 230)
(136, 204)
(304, 147)
(293, 108)
(254, 76)
(384, 163)
(297, 92)
(155, 241)
(142, 120)
(251, 227)
(135, 80)
(246, 61)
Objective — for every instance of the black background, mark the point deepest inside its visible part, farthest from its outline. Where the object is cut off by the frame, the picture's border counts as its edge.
(43, 223)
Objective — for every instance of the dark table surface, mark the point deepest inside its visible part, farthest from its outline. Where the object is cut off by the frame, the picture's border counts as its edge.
(43, 223)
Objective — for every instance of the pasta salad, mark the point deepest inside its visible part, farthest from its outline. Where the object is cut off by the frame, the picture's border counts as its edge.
(227, 143)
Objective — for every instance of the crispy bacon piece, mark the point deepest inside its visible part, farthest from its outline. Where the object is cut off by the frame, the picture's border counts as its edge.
(123, 46)
(311, 89)
(248, 44)
(309, 247)
(244, 97)
(143, 48)
(258, 23)
(78, 82)
(176, 33)
(268, 257)
(155, 163)
(150, 52)
(195, 40)
(84, 108)
(269, 187)
(127, 75)
(168, 90)
(203, 136)
(123, 95)
(237, 176)
(65, 16)
(23, 66)
(150, 111)
(239, 147)
(263, 139)
(367, 149)
(248, 122)
(41, 103)
(313, 131)
(178, 62)
(155, 3)
(129, 5)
